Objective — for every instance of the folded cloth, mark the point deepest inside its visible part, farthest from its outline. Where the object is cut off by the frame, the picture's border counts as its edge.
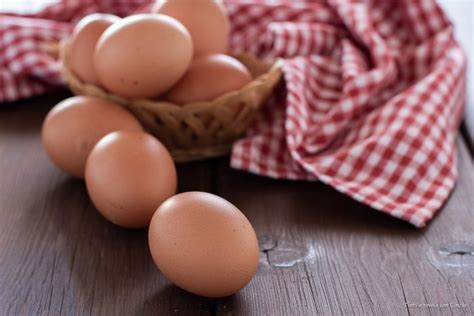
(371, 102)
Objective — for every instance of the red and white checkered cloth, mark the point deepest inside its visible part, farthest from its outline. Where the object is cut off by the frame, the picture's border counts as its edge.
(373, 95)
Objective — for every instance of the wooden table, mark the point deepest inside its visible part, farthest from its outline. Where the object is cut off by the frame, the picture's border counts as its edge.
(321, 252)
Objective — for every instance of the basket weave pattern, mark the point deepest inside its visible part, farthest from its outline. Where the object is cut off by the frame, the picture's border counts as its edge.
(197, 130)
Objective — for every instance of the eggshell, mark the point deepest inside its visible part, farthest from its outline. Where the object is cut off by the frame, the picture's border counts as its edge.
(128, 175)
(209, 77)
(81, 45)
(206, 21)
(75, 125)
(203, 244)
(143, 55)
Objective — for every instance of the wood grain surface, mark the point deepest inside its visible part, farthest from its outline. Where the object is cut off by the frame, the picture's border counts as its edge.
(321, 252)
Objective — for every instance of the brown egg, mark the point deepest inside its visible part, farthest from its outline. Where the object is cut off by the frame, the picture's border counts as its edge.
(128, 175)
(206, 21)
(203, 244)
(75, 125)
(143, 55)
(81, 45)
(209, 77)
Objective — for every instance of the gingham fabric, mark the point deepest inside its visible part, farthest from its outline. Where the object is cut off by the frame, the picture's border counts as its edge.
(371, 101)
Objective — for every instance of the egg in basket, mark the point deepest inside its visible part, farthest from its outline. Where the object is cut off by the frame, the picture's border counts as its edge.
(171, 71)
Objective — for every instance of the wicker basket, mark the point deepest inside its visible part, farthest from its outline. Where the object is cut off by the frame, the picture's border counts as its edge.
(197, 130)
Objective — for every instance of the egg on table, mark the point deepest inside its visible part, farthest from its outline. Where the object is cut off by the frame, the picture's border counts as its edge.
(128, 175)
(75, 125)
(203, 244)
(209, 77)
(143, 55)
(81, 45)
(206, 21)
